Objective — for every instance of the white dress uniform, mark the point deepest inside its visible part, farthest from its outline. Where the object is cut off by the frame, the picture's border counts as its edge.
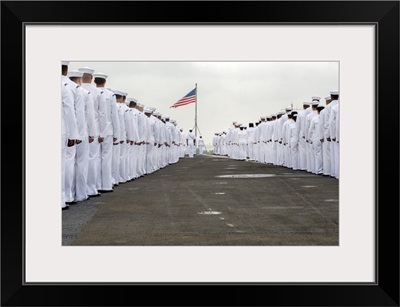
(177, 142)
(152, 145)
(242, 145)
(161, 142)
(294, 145)
(216, 150)
(262, 130)
(309, 147)
(281, 132)
(170, 132)
(165, 151)
(328, 134)
(275, 142)
(257, 143)
(286, 143)
(200, 145)
(334, 129)
(127, 159)
(223, 144)
(70, 160)
(327, 138)
(190, 141)
(338, 141)
(69, 128)
(182, 144)
(315, 140)
(121, 173)
(106, 98)
(115, 156)
(250, 142)
(134, 155)
(301, 119)
(142, 135)
(94, 147)
(270, 124)
(82, 149)
(326, 163)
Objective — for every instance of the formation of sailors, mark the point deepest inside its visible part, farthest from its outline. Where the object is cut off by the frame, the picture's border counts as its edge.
(109, 139)
(301, 140)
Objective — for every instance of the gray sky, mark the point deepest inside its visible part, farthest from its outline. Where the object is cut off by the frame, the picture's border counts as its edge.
(227, 91)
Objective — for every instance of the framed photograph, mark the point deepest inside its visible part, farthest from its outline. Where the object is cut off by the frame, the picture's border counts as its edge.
(362, 36)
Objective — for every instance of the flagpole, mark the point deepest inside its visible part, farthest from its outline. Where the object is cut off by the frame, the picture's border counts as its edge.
(195, 115)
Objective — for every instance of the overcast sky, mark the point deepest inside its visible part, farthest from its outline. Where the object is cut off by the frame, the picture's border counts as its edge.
(227, 91)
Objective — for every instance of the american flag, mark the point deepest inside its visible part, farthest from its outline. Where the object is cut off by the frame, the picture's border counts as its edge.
(188, 98)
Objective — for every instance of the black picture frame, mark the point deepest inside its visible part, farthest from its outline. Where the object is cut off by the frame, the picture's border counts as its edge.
(383, 14)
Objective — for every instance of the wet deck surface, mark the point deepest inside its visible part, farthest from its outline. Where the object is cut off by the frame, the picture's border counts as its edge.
(211, 201)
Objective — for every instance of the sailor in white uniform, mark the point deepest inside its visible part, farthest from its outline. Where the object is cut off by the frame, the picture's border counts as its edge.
(334, 130)
(200, 145)
(329, 130)
(294, 142)
(242, 141)
(70, 161)
(94, 146)
(79, 181)
(250, 141)
(301, 119)
(315, 141)
(69, 127)
(326, 162)
(309, 147)
(191, 143)
(151, 144)
(107, 135)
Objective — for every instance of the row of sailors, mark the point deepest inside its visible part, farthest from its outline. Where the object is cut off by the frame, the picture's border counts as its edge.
(305, 140)
(108, 139)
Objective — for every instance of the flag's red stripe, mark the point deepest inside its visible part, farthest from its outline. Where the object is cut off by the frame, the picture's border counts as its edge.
(184, 101)
(187, 99)
(181, 104)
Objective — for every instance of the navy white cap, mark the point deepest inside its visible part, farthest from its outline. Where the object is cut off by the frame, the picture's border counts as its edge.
(100, 75)
(334, 92)
(305, 103)
(65, 63)
(120, 93)
(131, 99)
(86, 70)
(316, 98)
(74, 73)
